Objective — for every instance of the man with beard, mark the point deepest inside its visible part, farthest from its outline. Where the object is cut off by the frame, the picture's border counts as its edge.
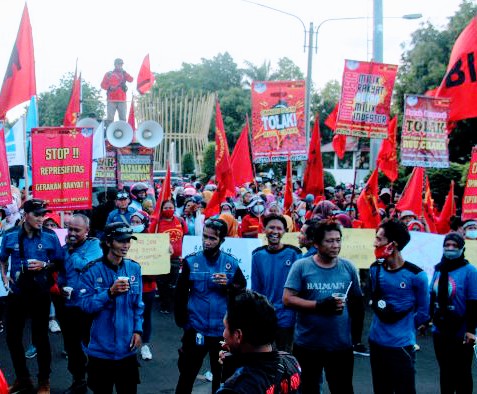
(75, 324)
(270, 267)
(200, 304)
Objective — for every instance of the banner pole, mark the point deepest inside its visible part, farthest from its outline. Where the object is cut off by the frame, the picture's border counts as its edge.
(25, 150)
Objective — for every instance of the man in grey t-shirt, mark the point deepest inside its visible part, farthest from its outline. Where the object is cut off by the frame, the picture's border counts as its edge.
(325, 291)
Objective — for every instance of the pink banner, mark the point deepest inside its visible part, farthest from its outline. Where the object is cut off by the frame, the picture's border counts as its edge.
(5, 188)
(61, 166)
(469, 201)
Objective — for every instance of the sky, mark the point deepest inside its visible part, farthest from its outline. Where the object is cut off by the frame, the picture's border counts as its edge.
(97, 31)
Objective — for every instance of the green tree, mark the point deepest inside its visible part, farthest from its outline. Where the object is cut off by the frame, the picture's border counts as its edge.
(287, 70)
(208, 166)
(323, 102)
(52, 104)
(188, 165)
(252, 73)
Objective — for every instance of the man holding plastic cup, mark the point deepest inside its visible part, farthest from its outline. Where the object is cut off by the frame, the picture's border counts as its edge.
(324, 290)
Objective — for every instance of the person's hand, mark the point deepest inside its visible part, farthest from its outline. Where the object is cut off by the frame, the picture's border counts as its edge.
(220, 279)
(469, 339)
(136, 342)
(35, 265)
(120, 286)
(6, 281)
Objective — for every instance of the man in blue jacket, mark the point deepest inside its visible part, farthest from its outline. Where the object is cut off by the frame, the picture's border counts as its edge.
(206, 278)
(111, 289)
(123, 211)
(75, 324)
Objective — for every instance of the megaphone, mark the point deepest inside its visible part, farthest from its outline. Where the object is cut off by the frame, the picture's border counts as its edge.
(119, 134)
(149, 134)
(88, 122)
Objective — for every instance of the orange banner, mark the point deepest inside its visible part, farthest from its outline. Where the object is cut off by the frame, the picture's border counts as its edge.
(61, 166)
(469, 201)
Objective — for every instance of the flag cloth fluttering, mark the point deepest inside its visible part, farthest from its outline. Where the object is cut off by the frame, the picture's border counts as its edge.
(164, 195)
(339, 141)
(19, 83)
(132, 115)
(73, 108)
(411, 198)
(448, 210)
(240, 161)
(288, 197)
(368, 203)
(145, 78)
(313, 181)
(428, 207)
(387, 157)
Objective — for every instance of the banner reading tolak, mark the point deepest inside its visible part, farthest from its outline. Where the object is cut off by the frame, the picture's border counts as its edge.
(278, 121)
(469, 202)
(135, 164)
(5, 188)
(424, 141)
(61, 166)
(365, 99)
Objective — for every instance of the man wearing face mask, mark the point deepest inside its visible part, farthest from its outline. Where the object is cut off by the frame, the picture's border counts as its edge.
(252, 222)
(201, 303)
(400, 300)
(454, 316)
(470, 229)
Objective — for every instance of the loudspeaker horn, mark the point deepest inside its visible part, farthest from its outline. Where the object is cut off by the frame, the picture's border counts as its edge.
(119, 134)
(149, 134)
(88, 122)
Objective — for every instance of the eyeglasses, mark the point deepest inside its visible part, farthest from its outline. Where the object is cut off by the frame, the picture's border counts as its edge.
(122, 195)
(215, 223)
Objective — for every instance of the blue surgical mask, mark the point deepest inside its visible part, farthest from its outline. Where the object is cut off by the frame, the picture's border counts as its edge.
(258, 209)
(452, 254)
(471, 234)
(138, 229)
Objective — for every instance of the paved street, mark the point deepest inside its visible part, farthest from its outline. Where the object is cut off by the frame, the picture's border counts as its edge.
(160, 374)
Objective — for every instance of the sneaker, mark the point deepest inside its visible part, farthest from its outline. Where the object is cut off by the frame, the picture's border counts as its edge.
(146, 353)
(360, 349)
(416, 347)
(43, 387)
(54, 326)
(21, 386)
(2, 327)
(165, 312)
(78, 386)
(30, 352)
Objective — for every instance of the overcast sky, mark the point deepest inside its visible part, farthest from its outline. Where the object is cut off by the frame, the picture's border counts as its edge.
(177, 31)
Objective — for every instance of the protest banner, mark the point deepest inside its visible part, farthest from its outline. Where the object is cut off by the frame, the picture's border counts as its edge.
(278, 121)
(61, 166)
(135, 164)
(240, 248)
(365, 100)
(105, 175)
(151, 251)
(424, 141)
(469, 201)
(5, 188)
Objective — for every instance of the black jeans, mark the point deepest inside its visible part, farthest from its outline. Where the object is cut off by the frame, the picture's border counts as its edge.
(455, 365)
(393, 369)
(191, 357)
(104, 374)
(338, 366)
(148, 299)
(19, 308)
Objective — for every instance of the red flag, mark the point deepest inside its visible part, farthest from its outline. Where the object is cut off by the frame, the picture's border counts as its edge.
(331, 119)
(387, 157)
(339, 141)
(288, 197)
(459, 82)
(145, 78)
(164, 195)
(132, 115)
(411, 198)
(313, 181)
(223, 169)
(428, 208)
(368, 203)
(240, 160)
(448, 210)
(73, 108)
(19, 83)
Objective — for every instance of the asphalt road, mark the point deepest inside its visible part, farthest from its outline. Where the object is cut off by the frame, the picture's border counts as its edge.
(160, 374)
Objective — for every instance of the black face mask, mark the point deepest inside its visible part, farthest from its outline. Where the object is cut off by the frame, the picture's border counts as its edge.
(180, 201)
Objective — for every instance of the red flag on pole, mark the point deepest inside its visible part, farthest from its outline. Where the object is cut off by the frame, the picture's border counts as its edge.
(459, 82)
(145, 78)
(164, 195)
(132, 115)
(428, 208)
(411, 198)
(240, 160)
(73, 108)
(387, 157)
(368, 203)
(19, 83)
(288, 197)
(448, 210)
(313, 181)
(339, 141)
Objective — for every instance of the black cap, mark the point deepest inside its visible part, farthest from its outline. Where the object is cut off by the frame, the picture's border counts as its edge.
(457, 238)
(122, 195)
(36, 206)
(118, 232)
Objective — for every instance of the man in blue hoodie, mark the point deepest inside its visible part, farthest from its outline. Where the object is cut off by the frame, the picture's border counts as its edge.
(111, 289)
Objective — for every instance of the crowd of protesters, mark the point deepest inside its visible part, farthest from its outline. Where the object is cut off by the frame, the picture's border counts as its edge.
(311, 299)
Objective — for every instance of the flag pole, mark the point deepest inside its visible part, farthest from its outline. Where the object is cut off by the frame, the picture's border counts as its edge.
(25, 151)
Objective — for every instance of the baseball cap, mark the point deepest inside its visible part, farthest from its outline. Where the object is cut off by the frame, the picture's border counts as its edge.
(119, 232)
(122, 195)
(407, 212)
(36, 206)
(385, 190)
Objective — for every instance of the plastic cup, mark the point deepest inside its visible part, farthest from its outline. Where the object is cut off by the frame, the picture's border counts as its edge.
(123, 278)
(339, 297)
(68, 290)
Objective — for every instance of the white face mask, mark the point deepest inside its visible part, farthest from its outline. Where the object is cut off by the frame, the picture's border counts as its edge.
(138, 228)
(471, 234)
(258, 209)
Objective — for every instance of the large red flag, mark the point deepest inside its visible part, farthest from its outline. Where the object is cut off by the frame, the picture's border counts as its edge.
(448, 210)
(19, 83)
(459, 82)
(428, 208)
(339, 141)
(145, 78)
(313, 181)
(411, 198)
(288, 197)
(387, 157)
(164, 195)
(368, 203)
(132, 115)
(73, 108)
(240, 160)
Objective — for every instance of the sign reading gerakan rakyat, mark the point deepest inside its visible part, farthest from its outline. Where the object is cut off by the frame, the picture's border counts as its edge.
(469, 201)
(278, 121)
(424, 141)
(61, 166)
(365, 99)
